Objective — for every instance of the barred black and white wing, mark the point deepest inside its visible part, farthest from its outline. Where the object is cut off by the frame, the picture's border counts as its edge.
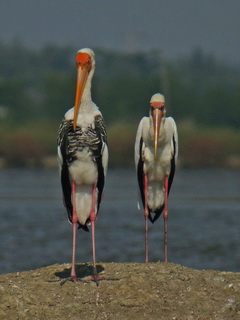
(101, 156)
(72, 145)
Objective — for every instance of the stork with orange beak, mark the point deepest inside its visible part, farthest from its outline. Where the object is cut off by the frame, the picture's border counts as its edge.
(156, 151)
(83, 156)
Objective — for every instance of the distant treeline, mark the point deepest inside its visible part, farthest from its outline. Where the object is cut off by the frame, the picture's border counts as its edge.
(37, 87)
(41, 84)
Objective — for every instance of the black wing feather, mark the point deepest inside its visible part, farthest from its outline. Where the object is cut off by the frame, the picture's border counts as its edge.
(173, 166)
(101, 133)
(140, 173)
(65, 181)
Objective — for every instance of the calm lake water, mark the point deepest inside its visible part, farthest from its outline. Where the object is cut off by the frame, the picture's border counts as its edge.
(204, 221)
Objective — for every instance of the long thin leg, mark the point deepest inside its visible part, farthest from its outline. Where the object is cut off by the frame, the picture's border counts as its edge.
(74, 224)
(165, 216)
(146, 214)
(92, 219)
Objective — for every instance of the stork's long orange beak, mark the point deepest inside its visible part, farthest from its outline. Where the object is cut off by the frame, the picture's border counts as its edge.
(83, 61)
(157, 118)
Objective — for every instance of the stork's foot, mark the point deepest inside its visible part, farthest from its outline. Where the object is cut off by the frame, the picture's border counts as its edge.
(72, 279)
(100, 278)
(75, 279)
(94, 276)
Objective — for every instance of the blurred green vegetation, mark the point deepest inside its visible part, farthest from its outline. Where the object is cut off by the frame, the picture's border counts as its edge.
(37, 88)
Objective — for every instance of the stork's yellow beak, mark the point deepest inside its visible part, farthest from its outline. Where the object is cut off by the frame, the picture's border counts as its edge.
(83, 61)
(157, 118)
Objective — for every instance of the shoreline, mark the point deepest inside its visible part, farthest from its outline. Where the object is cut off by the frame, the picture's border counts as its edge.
(50, 162)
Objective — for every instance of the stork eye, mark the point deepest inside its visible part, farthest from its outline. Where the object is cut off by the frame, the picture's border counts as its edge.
(159, 108)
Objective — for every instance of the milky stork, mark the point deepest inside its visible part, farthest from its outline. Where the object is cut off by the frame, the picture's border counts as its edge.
(83, 156)
(156, 151)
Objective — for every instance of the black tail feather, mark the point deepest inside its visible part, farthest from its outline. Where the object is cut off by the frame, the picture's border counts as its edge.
(157, 213)
(84, 227)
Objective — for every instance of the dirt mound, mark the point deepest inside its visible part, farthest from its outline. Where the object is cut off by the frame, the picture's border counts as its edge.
(128, 291)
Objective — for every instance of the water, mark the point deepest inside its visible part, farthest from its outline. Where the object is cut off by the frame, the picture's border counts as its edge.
(204, 221)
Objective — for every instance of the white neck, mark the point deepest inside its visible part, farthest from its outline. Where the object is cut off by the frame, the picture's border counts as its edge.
(162, 130)
(86, 97)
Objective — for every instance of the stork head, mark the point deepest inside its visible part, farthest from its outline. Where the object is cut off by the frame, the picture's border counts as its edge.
(85, 63)
(157, 112)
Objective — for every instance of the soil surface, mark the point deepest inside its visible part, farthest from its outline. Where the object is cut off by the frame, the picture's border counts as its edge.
(129, 291)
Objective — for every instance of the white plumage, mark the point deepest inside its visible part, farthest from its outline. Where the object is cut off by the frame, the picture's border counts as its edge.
(158, 168)
(156, 151)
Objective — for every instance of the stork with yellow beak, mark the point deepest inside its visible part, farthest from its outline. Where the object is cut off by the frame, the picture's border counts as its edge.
(156, 151)
(83, 156)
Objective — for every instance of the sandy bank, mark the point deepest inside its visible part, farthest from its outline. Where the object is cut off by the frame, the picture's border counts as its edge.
(130, 291)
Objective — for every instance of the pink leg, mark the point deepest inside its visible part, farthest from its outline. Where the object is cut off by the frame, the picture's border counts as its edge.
(74, 224)
(146, 214)
(92, 219)
(165, 216)
(95, 276)
(73, 276)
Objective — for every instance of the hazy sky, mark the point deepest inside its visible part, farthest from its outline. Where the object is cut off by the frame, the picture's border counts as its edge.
(174, 26)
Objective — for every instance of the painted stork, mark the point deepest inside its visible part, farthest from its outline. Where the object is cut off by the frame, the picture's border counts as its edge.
(83, 156)
(156, 151)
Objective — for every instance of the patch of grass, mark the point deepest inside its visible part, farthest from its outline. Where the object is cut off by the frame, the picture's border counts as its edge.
(121, 140)
(27, 145)
(208, 146)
